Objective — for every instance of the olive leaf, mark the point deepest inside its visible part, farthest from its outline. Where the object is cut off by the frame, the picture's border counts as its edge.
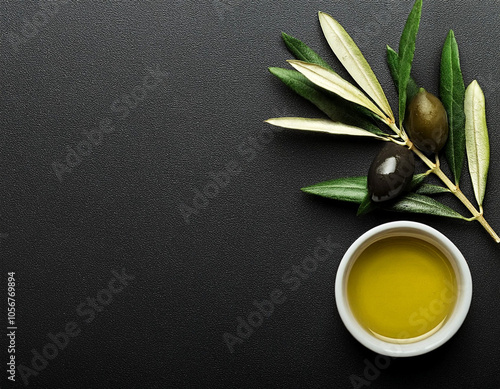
(430, 189)
(353, 60)
(417, 203)
(452, 91)
(406, 52)
(416, 181)
(332, 82)
(416, 185)
(366, 206)
(303, 52)
(333, 106)
(354, 189)
(393, 62)
(321, 125)
(476, 139)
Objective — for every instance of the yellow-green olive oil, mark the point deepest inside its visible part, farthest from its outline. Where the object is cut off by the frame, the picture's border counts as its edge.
(402, 289)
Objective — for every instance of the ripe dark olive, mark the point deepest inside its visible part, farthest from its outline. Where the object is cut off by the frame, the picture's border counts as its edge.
(390, 172)
(426, 122)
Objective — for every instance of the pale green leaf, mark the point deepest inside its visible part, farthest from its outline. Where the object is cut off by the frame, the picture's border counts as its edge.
(353, 60)
(476, 139)
(332, 82)
(321, 125)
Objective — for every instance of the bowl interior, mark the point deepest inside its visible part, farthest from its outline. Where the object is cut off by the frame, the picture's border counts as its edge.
(452, 323)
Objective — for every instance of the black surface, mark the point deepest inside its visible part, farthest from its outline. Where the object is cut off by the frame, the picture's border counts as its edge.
(119, 207)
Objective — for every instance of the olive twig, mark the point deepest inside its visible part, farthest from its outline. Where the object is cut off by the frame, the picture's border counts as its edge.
(428, 172)
(423, 126)
(395, 140)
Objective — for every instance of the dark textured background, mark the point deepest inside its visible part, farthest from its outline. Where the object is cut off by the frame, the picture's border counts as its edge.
(119, 208)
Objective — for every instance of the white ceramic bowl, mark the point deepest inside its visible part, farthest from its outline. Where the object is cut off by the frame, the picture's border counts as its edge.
(453, 322)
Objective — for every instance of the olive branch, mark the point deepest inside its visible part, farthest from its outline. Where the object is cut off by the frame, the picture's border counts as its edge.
(366, 112)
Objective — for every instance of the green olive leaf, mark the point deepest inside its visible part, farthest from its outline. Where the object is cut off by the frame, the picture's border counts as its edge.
(417, 203)
(430, 189)
(352, 189)
(353, 60)
(416, 181)
(393, 62)
(452, 92)
(406, 52)
(322, 125)
(476, 139)
(332, 82)
(337, 109)
(303, 52)
(417, 185)
(366, 206)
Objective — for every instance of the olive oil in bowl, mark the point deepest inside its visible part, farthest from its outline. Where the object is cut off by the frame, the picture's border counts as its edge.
(401, 289)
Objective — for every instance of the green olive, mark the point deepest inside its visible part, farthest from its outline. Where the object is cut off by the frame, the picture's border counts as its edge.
(390, 172)
(426, 122)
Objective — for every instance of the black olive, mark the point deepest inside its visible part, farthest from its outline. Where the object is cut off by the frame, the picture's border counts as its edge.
(390, 172)
(426, 122)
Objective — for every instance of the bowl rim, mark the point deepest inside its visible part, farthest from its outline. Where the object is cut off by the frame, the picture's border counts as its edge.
(452, 324)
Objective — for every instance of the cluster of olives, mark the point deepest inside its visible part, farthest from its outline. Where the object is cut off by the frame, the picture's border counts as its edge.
(392, 169)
